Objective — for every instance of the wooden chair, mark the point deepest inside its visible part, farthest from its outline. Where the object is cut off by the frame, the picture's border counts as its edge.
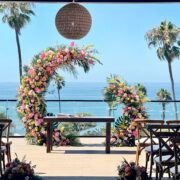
(5, 143)
(144, 139)
(164, 159)
(175, 171)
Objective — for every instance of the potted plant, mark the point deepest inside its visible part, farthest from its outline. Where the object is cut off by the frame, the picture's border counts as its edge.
(20, 170)
(131, 171)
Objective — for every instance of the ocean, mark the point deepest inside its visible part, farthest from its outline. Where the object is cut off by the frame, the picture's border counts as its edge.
(83, 91)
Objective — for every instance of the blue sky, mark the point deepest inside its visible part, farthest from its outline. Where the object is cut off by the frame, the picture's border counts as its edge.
(117, 33)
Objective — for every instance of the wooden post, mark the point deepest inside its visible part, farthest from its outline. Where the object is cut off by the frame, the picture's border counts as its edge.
(48, 141)
(51, 137)
(108, 136)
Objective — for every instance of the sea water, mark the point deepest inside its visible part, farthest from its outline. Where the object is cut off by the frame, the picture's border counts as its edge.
(83, 91)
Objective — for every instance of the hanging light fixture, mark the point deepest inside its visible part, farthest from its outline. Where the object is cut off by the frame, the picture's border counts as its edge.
(73, 21)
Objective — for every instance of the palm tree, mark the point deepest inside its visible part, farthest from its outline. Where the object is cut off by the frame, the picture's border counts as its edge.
(16, 15)
(163, 95)
(165, 39)
(60, 83)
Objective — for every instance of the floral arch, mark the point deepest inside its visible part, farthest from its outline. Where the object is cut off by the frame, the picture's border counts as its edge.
(31, 103)
(133, 99)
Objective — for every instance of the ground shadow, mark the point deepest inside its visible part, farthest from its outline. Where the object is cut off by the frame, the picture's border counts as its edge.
(92, 152)
(93, 145)
(79, 178)
(84, 178)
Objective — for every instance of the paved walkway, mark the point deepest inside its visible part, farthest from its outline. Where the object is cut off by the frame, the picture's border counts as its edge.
(88, 162)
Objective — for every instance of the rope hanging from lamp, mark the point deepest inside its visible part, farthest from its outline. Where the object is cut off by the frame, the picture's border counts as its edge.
(73, 21)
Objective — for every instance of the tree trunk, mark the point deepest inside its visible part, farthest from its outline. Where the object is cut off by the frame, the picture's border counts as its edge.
(19, 54)
(163, 111)
(110, 111)
(59, 101)
(173, 90)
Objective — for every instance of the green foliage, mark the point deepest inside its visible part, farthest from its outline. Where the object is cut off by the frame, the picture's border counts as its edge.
(83, 114)
(74, 141)
(122, 122)
(2, 115)
(163, 95)
(165, 38)
(16, 15)
(141, 89)
(59, 83)
(76, 128)
(96, 132)
(58, 80)
(110, 97)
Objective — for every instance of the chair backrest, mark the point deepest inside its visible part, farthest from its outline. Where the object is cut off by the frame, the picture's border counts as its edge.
(164, 134)
(143, 133)
(176, 147)
(1, 131)
(6, 127)
(172, 122)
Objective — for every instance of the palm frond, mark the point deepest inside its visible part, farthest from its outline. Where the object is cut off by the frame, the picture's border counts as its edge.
(163, 95)
(16, 15)
(164, 38)
(160, 53)
(97, 60)
(69, 68)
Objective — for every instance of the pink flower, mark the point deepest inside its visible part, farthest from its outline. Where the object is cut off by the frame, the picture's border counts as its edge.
(38, 122)
(37, 90)
(135, 133)
(33, 133)
(30, 115)
(71, 43)
(42, 89)
(57, 134)
(91, 61)
(43, 55)
(48, 69)
(59, 60)
(83, 52)
(31, 72)
(127, 169)
(120, 92)
(36, 116)
(112, 86)
(43, 78)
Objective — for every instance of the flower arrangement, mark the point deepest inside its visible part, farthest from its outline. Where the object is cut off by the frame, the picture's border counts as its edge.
(133, 99)
(20, 170)
(130, 171)
(31, 103)
(60, 138)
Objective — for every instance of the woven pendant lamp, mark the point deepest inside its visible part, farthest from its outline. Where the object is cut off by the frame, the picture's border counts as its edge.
(73, 21)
